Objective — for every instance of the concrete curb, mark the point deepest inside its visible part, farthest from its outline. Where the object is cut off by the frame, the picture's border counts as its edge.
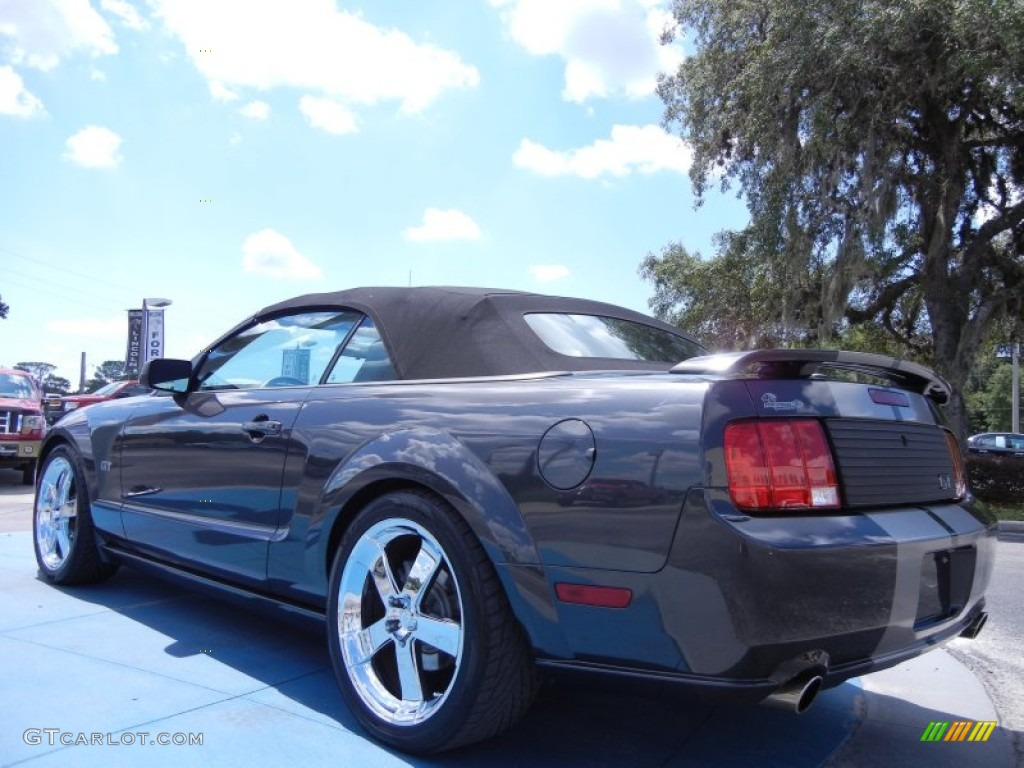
(1011, 526)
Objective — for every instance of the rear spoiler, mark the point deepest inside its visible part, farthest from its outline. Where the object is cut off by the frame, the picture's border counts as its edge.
(804, 363)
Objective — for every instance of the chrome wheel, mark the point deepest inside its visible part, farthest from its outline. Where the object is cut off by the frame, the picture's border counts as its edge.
(399, 622)
(56, 513)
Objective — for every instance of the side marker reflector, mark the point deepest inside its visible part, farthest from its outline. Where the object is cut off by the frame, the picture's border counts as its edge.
(599, 597)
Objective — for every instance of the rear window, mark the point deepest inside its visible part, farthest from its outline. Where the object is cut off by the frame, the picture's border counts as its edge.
(610, 337)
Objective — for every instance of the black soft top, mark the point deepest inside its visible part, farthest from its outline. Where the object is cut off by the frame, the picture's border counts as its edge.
(444, 332)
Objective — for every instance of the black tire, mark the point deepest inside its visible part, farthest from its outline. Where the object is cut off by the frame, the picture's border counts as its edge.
(62, 530)
(477, 681)
(28, 474)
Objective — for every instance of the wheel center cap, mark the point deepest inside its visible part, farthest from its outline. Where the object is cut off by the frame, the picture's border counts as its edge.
(401, 618)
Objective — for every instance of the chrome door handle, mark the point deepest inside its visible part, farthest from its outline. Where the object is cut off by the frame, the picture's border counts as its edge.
(262, 427)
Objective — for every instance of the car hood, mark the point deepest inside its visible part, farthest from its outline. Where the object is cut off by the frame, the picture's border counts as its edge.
(8, 403)
(80, 399)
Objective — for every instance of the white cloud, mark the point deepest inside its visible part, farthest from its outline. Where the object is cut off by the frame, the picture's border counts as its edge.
(312, 46)
(235, 138)
(257, 110)
(15, 98)
(221, 92)
(89, 326)
(126, 13)
(610, 47)
(94, 147)
(270, 253)
(547, 273)
(97, 74)
(42, 32)
(328, 115)
(631, 149)
(450, 224)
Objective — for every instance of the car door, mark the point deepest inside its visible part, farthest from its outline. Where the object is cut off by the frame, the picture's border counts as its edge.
(201, 472)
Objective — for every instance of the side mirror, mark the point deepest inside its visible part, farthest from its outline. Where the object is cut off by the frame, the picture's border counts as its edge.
(167, 375)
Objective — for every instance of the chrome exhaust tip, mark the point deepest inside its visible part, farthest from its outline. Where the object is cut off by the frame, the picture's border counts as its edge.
(973, 629)
(797, 695)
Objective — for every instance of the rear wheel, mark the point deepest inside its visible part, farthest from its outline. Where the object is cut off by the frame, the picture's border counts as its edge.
(423, 642)
(65, 542)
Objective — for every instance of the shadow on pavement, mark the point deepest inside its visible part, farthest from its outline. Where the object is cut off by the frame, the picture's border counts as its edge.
(185, 635)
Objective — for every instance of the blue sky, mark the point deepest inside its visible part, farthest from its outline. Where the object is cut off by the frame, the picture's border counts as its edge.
(227, 154)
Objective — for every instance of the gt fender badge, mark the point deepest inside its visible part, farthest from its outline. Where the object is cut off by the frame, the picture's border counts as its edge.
(772, 403)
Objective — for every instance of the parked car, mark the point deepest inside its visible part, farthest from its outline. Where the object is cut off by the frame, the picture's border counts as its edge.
(392, 460)
(57, 405)
(997, 444)
(21, 423)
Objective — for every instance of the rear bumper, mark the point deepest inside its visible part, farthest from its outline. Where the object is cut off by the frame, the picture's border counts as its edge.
(746, 603)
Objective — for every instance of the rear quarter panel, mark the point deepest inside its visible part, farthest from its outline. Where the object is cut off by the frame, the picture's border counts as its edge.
(476, 443)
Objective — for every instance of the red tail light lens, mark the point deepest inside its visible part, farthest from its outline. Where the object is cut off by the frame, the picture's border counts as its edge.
(957, 460)
(783, 464)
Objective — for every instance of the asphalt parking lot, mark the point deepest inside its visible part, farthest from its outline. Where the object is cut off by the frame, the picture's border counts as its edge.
(134, 656)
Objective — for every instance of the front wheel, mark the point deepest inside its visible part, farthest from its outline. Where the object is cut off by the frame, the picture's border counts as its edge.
(425, 648)
(65, 542)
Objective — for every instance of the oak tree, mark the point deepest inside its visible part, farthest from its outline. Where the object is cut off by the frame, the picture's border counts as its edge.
(879, 146)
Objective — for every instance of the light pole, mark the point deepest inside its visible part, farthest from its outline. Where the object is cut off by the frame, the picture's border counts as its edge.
(1015, 407)
(153, 328)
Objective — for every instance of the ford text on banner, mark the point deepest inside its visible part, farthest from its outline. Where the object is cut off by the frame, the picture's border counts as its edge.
(154, 333)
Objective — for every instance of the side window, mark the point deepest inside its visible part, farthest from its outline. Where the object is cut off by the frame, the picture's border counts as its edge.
(363, 359)
(288, 351)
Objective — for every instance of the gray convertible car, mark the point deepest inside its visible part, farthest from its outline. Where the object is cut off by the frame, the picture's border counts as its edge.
(474, 486)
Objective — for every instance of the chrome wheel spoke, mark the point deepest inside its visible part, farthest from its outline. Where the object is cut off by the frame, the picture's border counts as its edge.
(364, 644)
(422, 571)
(62, 489)
(370, 558)
(63, 541)
(444, 635)
(409, 672)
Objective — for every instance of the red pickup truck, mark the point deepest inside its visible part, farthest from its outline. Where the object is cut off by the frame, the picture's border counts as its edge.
(21, 423)
(57, 406)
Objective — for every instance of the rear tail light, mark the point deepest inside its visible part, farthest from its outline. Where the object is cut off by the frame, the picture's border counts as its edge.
(957, 460)
(784, 464)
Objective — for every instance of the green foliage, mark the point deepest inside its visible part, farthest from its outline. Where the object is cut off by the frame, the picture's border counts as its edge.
(997, 479)
(997, 400)
(105, 373)
(879, 145)
(4, 309)
(56, 385)
(725, 302)
(38, 370)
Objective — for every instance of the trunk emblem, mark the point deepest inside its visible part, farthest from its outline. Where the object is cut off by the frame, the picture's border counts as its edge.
(772, 403)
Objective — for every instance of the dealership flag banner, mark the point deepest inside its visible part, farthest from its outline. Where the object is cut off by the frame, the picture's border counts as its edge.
(154, 334)
(133, 355)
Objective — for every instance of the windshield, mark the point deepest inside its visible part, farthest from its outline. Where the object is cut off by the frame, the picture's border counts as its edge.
(13, 385)
(107, 389)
